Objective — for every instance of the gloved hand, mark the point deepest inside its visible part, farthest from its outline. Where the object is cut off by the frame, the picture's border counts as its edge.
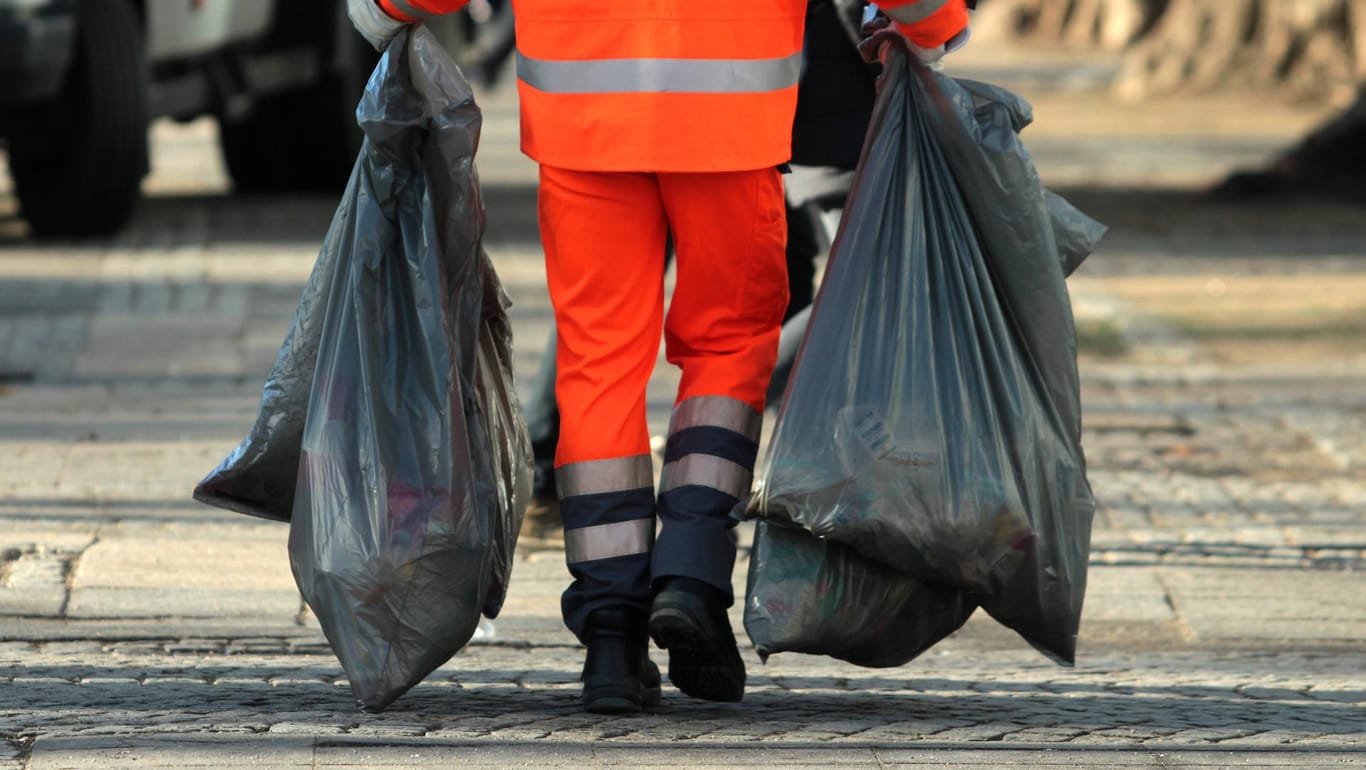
(372, 22)
(881, 30)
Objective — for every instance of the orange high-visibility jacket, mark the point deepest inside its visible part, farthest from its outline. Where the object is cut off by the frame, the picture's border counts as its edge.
(660, 85)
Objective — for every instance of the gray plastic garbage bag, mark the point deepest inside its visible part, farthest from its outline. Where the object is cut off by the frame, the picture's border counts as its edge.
(932, 421)
(389, 434)
(819, 597)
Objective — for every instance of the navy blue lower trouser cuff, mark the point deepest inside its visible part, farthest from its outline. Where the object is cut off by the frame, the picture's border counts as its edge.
(695, 539)
(604, 575)
(622, 581)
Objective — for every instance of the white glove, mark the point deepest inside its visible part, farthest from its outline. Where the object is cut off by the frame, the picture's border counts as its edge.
(931, 56)
(372, 22)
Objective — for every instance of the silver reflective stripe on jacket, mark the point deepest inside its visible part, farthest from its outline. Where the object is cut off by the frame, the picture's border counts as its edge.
(717, 411)
(707, 471)
(691, 76)
(919, 10)
(597, 476)
(605, 541)
(412, 11)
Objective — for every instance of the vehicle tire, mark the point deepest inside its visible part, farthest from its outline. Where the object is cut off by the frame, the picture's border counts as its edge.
(303, 140)
(82, 175)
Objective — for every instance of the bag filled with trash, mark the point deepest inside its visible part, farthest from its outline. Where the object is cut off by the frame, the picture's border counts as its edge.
(932, 421)
(389, 435)
(819, 597)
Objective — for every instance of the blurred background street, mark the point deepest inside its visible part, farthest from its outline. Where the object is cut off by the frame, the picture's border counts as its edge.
(1223, 357)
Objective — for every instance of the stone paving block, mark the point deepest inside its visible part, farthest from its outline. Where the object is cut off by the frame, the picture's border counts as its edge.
(156, 628)
(1210, 734)
(153, 297)
(38, 602)
(1044, 735)
(115, 298)
(29, 336)
(304, 728)
(734, 756)
(1114, 758)
(1125, 594)
(338, 754)
(119, 602)
(218, 558)
(43, 536)
(136, 469)
(1325, 534)
(53, 400)
(966, 757)
(230, 299)
(31, 466)
(1273, 604)
(1105, 537)
(158, 345)
(1355, 742)
(1341, 692)
(34, 585)
(994, 731)
(262, 751)
(1271, 693)
(1299, 758)
(1260, 536)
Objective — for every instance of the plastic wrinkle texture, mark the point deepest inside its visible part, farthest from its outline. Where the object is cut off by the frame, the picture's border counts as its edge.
(927, 459)
(389, 433)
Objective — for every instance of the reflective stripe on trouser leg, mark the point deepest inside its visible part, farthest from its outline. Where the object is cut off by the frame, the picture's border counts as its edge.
(608, 508)
(603, 236)
(722, 330)
(708, 467)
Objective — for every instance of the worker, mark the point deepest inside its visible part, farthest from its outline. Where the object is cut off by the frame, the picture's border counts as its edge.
(835, 97)
(650, 120)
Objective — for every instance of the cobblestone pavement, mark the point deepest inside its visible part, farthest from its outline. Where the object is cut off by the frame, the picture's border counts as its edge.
(1225, 617)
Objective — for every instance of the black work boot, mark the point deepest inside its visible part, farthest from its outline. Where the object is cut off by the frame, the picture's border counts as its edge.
(618, 675)
(689, 620)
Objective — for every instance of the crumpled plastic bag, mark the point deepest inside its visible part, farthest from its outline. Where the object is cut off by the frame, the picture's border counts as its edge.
(389, 434)
(937, 428)
(819, 597)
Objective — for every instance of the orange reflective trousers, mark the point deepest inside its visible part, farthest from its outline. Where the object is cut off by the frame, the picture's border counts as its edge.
(604, 236)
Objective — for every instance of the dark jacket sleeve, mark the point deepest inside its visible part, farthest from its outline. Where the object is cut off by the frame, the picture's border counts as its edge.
(836, 91)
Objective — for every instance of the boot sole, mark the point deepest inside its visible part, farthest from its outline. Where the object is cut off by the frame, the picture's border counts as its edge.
(611, 704)
(614, 699)
(703, 663)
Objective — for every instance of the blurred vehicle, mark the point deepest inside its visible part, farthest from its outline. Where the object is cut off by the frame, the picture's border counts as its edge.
(81, 79)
